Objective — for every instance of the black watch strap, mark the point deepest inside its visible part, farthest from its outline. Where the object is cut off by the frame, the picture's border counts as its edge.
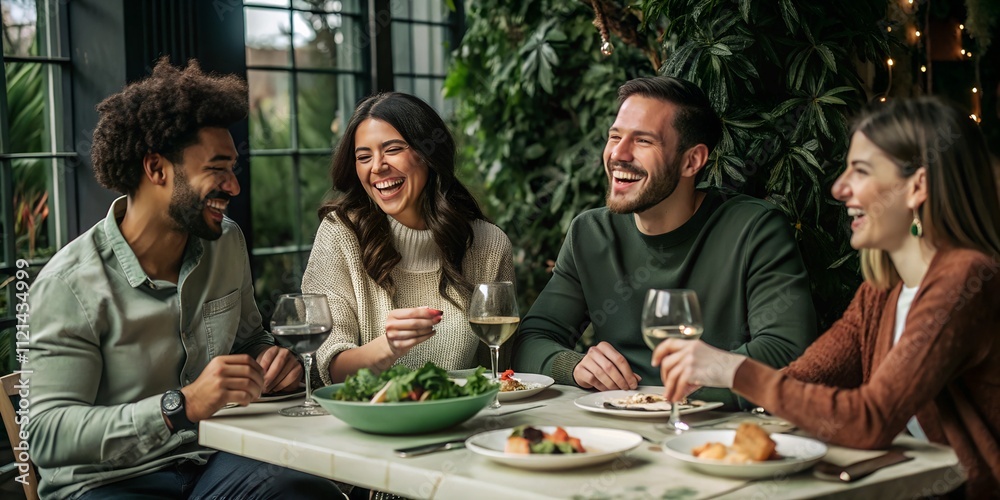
(172, 405)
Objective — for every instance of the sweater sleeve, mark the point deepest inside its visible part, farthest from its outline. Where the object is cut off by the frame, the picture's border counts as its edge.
(780, 314)
(836, 357)
(555, 322)
(329, 272)
(942, 335)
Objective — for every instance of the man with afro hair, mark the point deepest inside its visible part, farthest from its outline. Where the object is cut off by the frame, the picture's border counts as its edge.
(146, 324)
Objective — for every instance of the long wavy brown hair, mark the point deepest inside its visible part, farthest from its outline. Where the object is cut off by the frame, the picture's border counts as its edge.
(963, 207)
(446, 205)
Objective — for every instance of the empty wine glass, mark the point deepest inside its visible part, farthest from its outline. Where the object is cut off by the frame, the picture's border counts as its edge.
(493, 317)
(303, 321)
(671, 314)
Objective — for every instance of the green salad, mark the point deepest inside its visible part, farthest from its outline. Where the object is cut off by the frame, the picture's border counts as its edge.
(427, 383)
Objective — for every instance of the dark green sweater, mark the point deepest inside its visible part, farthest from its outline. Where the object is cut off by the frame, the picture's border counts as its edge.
(738, 254)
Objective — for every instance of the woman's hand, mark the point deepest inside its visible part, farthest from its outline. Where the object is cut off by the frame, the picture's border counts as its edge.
(405, 328)
(686, 365)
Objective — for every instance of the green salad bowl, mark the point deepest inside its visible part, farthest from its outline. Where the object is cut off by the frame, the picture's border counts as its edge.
(402, 418)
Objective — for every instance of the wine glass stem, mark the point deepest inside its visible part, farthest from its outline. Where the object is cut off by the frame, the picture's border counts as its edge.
(307, 362)
(495, 361)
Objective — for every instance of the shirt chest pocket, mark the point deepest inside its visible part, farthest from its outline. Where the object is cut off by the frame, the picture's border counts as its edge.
(222, 320)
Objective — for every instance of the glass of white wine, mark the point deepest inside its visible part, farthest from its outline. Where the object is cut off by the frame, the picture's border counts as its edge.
(671, 314)
(303, 321)
(494, 318)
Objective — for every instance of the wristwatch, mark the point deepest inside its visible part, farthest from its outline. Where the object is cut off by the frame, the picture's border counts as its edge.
(172, 407)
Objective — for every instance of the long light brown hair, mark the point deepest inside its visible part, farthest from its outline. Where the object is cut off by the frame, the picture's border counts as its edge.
(446, 205)
(962, 208)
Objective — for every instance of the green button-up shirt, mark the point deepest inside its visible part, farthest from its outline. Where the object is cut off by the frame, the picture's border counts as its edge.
(107, 341)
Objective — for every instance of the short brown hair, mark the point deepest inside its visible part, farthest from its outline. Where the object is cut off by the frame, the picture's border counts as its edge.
(161, 114)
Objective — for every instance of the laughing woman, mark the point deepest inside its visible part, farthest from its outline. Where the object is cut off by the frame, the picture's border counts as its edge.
(398, 252)
(919, 347)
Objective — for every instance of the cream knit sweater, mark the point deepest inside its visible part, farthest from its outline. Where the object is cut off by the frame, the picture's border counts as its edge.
(359, 306)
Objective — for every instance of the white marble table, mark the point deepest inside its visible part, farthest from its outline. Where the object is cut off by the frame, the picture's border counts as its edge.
(327, 447)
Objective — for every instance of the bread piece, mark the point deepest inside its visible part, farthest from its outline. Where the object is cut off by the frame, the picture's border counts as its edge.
(714, 451)
(753, 442)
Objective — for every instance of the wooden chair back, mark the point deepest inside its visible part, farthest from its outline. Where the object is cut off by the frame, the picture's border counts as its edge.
(25, 469)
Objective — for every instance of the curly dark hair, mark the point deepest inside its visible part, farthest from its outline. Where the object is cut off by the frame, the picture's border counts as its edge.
(161, 114)
(447, 206)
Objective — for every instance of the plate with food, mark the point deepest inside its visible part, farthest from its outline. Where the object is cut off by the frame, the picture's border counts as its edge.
(405, 401)
(544, 448)
(746, 453)
(515, 386)
(644, 402)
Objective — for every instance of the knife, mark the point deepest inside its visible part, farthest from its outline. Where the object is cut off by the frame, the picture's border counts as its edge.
(424, 449)
(858, 470)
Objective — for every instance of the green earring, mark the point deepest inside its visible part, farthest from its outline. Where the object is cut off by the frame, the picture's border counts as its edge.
(916, 228)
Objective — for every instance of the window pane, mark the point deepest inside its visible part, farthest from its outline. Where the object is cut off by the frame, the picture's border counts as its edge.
(273, 276)
(31, 107)
(422, 48)
(404, 84)
(314, 181)
(424, 10)
(350, 6)
(328, 41)
(20, 26)
(402, 47)
(276, 3)
(275, 210)
(268, 37)
(35, 226)
(320, 115)
(270, 109)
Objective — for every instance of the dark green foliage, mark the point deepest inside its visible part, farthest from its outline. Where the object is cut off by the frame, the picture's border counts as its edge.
(782, 76)
(535, 100)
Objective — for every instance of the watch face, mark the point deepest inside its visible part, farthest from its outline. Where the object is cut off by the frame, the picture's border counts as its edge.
(171, 401)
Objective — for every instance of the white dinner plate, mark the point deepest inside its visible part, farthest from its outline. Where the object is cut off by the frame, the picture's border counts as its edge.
(542, 381)
(602, 445)
(595, 403)
(799, 453)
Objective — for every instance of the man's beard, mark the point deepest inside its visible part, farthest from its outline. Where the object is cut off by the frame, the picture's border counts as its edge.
(658, 189)
(188, 210)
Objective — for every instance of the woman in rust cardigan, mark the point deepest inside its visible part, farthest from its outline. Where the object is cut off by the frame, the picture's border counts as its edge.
(919, 346)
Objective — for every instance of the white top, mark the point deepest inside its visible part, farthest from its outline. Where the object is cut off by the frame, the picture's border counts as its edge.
(902, 309)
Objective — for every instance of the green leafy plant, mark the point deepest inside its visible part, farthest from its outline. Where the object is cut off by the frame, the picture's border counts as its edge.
(534, 101)
(782, 75)
(536, 98)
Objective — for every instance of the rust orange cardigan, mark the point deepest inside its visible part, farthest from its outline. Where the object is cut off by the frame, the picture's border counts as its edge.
(853, 388)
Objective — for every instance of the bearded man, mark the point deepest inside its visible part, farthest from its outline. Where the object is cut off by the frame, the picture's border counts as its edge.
(146, 324)
(736, 252)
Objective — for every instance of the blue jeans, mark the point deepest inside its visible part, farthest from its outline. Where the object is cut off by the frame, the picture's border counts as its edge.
(225, 476)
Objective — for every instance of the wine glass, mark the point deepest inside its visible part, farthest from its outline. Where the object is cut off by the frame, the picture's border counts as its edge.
(493, 317)
(671, 314)
(303, 321)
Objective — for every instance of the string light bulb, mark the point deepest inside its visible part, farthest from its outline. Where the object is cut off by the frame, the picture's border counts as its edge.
(889, 62)
(963, 52)
(975, 118)
(911, 2)
(882, 99)
(923, 69)
(974, 90)
(968, 54)
(961, 26)
(918, 33)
